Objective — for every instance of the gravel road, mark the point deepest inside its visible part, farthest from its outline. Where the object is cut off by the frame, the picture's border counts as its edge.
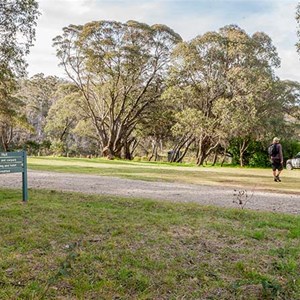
(203, 194)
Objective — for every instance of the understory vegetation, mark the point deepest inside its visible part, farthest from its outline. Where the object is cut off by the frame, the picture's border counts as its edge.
(67, 245)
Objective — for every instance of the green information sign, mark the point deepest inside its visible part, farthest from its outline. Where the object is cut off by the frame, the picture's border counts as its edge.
(15, 162)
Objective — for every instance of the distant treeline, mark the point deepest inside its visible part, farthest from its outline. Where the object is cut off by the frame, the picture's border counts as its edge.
(134, 90)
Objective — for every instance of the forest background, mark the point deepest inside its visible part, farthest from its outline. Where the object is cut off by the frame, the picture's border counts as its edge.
(139, 91)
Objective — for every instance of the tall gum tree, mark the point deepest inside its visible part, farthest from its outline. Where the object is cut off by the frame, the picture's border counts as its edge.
(39, 94)
(118, 69)
(227, 65)
(17, 33)
(63, 117)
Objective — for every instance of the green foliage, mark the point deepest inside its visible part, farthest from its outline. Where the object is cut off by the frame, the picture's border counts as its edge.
(259, 155)
(290, 148)
(12, 116)
(256, 154)
(63, 114)
(120, 73)
(137, 89)
(32, 147)
(35, 148)
(58, 147)
(259, 159)
(224, 76)
(18, 21)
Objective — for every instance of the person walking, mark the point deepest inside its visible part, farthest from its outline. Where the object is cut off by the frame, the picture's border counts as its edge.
(276, 157)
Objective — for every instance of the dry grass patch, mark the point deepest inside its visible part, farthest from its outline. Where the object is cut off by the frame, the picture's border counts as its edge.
(250, 178)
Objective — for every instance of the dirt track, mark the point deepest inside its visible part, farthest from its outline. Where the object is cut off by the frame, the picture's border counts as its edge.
(203, 194)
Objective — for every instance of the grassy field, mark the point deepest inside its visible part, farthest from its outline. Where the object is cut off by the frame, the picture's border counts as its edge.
(72, 246)
(249, 178)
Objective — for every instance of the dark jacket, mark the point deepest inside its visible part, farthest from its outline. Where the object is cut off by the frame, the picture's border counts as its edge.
(279, 155)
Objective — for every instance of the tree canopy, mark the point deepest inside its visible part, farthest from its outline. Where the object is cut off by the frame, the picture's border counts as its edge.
(222, 74)
(139, 89)
(17, 32)
(118, 69)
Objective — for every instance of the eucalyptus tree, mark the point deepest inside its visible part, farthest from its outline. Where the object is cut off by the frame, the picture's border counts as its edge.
(65, 121)
(227, 67)
(12, 117)
(289, 94)
(287, 109)
(154, 131)
(62, 115)
(118, 69)
(17, 32)
(39, 93)
(273, 110)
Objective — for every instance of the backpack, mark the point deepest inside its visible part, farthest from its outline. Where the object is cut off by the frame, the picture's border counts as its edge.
(273, 150)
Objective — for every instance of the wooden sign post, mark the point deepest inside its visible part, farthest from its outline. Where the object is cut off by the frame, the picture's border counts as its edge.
(15, 162)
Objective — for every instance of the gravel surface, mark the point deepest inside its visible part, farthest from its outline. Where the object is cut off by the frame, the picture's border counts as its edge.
(203, 194)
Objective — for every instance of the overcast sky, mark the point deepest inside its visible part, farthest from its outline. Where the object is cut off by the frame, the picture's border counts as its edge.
(189, 18)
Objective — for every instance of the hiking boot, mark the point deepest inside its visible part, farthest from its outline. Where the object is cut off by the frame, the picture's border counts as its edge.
(278, 179)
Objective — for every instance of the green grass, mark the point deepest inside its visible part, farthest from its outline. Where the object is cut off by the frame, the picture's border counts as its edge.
(74, 246)
(250, 178)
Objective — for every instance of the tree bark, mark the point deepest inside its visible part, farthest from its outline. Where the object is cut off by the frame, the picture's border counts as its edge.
(243, 147)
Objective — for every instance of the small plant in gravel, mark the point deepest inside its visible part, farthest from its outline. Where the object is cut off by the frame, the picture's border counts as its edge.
(242, 197)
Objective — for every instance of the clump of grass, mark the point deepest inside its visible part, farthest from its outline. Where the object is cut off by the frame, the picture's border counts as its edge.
(68, 245)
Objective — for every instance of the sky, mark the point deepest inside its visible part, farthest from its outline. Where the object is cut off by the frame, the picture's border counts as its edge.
(189, 18)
